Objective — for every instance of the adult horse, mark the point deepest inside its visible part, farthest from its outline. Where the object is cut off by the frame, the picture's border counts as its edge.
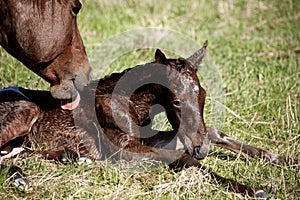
(44, 36)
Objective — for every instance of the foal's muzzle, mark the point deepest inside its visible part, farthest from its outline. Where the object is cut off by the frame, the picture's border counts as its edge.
(200, 152)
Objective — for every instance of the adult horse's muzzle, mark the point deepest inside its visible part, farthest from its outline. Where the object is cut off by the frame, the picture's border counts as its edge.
(68, 90)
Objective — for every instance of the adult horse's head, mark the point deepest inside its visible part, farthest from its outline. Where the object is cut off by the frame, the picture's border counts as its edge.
(44, 36)
(188, 100)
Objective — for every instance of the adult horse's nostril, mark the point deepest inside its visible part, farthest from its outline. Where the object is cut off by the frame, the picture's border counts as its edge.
(65, 90)
(199, 152)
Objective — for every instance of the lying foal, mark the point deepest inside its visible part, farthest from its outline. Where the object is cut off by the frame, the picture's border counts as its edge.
(114, 119)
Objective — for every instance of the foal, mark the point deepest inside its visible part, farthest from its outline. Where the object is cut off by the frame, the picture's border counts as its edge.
(114, 119)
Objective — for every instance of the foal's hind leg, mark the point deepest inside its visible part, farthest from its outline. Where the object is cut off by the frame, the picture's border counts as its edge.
(188, 161)
(220, 139)
(16, 119)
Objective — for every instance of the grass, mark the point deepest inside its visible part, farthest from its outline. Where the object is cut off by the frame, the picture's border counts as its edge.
(251, 76)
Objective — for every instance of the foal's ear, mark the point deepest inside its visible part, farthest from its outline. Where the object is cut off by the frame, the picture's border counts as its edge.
(160, 57)
(197, 58)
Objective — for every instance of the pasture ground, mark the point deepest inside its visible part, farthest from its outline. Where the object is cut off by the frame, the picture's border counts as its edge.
(255, 45)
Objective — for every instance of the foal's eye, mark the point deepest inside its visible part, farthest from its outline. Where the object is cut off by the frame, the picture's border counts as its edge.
(179, 65)
(177, 103)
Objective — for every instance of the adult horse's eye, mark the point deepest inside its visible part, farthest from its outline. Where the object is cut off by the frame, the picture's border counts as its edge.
(75, 10)
(177, 103)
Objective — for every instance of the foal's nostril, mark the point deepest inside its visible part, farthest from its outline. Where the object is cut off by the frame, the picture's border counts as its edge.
(199, 152)
(177, 103)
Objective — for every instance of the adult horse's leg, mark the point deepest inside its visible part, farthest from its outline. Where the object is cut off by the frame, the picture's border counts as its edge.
(220, 139)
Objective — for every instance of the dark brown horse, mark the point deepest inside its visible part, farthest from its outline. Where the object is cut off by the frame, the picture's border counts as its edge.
(114, 119)
(44, 36)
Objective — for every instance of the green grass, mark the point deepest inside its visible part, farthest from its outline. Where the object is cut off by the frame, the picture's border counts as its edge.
(251, 59)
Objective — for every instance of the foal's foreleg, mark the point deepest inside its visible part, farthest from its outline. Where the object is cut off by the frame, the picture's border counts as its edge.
(188, 161)
(220, 139)
(65, 156)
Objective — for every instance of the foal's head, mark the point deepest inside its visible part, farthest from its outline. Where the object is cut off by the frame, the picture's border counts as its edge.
(187, 99)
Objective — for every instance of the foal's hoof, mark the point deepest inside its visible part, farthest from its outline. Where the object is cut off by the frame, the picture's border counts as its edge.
(84, 160)
(17, 177)
(20, 181)
(260, 194)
